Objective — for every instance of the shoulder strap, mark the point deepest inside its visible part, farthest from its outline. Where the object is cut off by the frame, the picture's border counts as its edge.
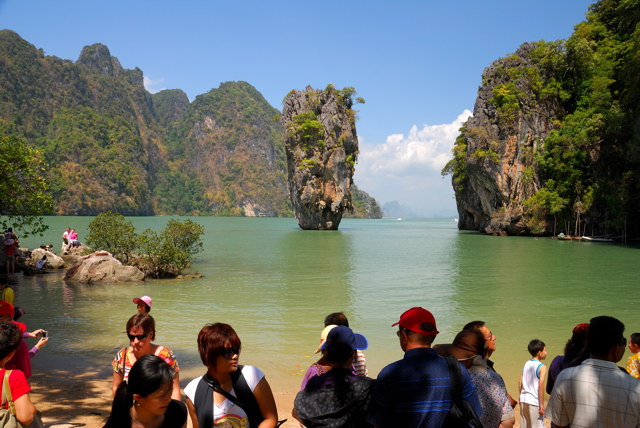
(6, 392)
(454, 371)
(204, 403)
(245, 395)
(244, 399)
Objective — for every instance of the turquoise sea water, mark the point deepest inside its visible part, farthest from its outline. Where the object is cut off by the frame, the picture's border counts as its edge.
(275, 283)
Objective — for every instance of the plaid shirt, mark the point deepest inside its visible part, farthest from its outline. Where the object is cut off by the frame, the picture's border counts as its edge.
(595, 394)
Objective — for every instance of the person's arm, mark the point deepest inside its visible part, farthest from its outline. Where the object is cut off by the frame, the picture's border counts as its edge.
(175, 394)
(192, 413)
(267, 404)
(541, 389)
(34, 333)
(25, 410)
(118, 377)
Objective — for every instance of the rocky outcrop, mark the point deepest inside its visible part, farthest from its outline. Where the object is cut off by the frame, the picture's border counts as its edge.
(104, 268)
(496, 171)
(53, 261)
(322, 147)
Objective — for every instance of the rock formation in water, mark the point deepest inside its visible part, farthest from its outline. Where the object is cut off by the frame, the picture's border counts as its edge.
(322, 148)
(495, 173)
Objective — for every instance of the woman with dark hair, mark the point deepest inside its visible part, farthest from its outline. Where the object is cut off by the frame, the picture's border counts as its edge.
(141, 330)
(10, 338)
(145, 399)
(228, 394)
(575, 352)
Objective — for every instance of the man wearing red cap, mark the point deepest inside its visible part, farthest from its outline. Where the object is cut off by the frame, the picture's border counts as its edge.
(416, 391)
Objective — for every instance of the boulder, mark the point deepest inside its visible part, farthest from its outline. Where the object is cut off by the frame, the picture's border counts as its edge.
(53, 261)
(102, 267)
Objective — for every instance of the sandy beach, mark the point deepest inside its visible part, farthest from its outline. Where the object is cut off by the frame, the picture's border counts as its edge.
(82, 397)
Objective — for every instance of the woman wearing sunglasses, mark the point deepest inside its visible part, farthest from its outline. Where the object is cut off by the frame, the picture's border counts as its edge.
(145, 399)
(228, 394)
(141, 330)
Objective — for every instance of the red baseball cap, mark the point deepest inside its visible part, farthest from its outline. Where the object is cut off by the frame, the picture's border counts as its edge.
(414, 317)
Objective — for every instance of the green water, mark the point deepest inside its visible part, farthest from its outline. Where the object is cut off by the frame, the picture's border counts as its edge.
(275, 283)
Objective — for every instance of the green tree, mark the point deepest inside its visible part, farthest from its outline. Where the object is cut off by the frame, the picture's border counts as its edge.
(112, 232)
(168, 253)
(23, 190)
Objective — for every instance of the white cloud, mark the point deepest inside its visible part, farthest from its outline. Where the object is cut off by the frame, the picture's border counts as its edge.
(407, 168)
(419, 153)
(150, 84)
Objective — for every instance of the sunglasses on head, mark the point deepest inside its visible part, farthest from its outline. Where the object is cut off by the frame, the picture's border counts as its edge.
(138, 336)
(228, 353)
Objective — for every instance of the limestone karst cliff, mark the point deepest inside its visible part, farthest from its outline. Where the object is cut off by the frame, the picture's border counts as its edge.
(322, 148)
(499, 143)
(554, 142)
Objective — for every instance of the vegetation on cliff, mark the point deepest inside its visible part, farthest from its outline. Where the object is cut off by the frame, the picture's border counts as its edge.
(558, 142)
(322, 148)
(110, 144)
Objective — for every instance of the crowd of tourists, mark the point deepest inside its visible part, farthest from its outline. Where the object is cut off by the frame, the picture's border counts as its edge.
(442, 385)
(433, 385)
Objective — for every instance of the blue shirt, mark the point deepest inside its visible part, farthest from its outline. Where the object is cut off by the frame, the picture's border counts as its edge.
(416, 391)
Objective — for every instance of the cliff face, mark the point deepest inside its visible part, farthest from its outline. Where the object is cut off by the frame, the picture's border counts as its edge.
(509, 122)
(322, 147)
(110, 144)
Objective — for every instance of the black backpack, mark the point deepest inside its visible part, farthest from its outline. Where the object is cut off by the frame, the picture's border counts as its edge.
(245, 399)
(461, 414)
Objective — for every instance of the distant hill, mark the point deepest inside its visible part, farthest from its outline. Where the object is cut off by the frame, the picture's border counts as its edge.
(110, 144)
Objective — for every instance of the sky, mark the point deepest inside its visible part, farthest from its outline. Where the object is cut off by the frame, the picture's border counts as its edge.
(417, 63)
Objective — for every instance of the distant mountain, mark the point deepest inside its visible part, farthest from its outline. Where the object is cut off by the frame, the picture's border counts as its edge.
(110, 144)
(393, 209)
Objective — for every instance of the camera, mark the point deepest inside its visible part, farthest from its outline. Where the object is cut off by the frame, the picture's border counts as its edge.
(44, 333)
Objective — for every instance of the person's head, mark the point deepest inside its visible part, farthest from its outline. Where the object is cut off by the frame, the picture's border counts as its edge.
(576, 344)
(323, 336)
(144, 304)
(537, 349)
(336, 318)
(6, 311)
(634, 342)
(3, 285)
(10, 338)
(148, 391)
(605, 338)
(489, 338)
(341, 345)
(219, 347)
(141, 330)
(467, 345)
(416, 328)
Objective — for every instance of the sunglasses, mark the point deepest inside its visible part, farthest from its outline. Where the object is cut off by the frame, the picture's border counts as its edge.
(406, 331)
(139, 336)
(228, 353)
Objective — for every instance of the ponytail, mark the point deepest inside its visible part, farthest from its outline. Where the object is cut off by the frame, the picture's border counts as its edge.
(120, 416)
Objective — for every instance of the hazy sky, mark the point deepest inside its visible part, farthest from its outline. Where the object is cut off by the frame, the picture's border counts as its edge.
(417, 63)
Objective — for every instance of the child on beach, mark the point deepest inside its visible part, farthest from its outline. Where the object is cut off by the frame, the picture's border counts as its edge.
(633, 363)
(531, 387)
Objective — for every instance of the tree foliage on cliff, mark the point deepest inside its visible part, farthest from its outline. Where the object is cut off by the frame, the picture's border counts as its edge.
(587, 168)
(110, 144)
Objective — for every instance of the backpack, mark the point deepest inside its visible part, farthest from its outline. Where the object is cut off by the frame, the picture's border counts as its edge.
(461, 414)
(203, 400)
(8, 416)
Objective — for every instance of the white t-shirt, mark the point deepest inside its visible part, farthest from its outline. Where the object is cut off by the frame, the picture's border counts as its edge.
(227, 411)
